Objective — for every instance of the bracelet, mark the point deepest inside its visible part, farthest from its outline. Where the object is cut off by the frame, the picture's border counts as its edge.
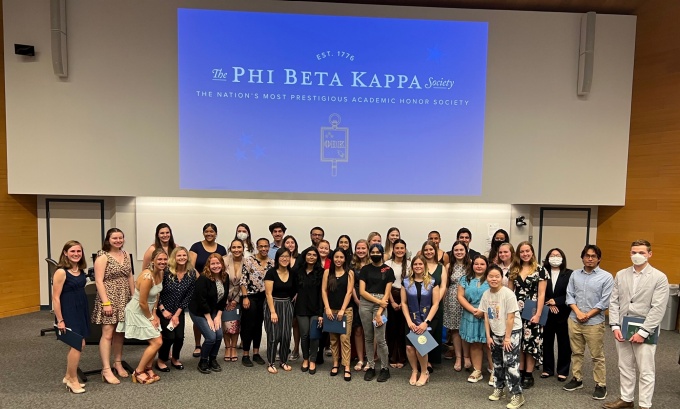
(106, 304)
(152, 318)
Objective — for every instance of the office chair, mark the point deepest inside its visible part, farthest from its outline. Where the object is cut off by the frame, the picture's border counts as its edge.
(51, 269)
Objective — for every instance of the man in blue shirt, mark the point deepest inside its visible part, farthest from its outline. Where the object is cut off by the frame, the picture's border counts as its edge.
(588, 295)
(278, 230)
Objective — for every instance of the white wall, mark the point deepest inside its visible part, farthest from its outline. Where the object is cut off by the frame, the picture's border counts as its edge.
(117, 111)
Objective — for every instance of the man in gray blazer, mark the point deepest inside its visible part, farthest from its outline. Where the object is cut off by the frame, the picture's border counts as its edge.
(639, 291)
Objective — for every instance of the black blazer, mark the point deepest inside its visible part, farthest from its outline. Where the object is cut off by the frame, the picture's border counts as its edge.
(560, 296)
(204, 300)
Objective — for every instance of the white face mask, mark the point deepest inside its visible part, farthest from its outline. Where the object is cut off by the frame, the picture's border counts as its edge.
(555, 261)
(638, 259)
(242, 235)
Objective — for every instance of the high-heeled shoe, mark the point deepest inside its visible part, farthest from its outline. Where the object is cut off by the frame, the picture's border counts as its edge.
(144, 381)
(73, 389)
(123, 373)
(106, 380)
(411, 381)
(65, 381)
(427, 379)
(151, 374)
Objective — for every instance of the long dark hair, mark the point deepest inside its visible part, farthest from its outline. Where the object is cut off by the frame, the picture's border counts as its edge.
(471, 272)
(106, 246)
(157, 242)
(404, 260)
(546, 262)
(332, 279)
(248, 243)
(453, 261)
(350, 252)
(294, 253)
(300, 267)
(493, 251)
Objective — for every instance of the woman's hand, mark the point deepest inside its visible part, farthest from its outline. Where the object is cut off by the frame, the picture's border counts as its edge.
(275, 318)
(378, 320)
(246, 303)
(413, 327)
(319, 323)
(479, 314)
(174, 320)
(554, 309)
(217, 323)
(156, 322)
(166, 314)
(211, 325)
(339, 315)
(396, 306)
(421, 328)
(61, 326)
(329, 314)
(489, 342)
(550, 302)
(535, 319)
(382, 303)
(231, 306)
(108, 310)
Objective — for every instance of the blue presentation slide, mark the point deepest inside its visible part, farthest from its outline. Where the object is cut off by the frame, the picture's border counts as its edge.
(330, 104)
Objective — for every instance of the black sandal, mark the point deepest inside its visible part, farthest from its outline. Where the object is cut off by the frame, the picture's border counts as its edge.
(348, 376)
(336, 369)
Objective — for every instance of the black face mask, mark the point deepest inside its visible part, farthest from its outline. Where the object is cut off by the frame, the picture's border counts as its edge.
(376, 258)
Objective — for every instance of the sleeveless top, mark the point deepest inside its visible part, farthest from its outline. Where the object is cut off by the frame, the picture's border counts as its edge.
(418, 310)
(337, 298)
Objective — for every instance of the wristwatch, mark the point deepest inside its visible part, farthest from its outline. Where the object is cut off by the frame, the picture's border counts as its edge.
(162, 309)
(428, 322)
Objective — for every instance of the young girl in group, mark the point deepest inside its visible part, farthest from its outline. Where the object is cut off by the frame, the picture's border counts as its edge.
(503, 327)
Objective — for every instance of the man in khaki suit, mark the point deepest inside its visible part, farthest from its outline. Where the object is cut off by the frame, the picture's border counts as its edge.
(639, 291)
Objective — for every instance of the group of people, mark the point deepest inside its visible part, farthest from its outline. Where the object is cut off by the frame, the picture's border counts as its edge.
(374, 295)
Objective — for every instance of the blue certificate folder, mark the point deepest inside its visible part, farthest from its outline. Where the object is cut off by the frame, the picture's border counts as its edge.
(423, 343)
(335, 326)
(631, 325)
(233, 315)
(315, 330)
(70, 338)
(530, 307)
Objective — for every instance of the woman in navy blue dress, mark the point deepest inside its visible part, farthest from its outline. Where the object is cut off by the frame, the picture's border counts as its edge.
(70, 306)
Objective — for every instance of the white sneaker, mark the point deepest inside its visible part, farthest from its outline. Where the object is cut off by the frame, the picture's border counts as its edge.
(476, 376)
(516, 401)
(492, 380)
(497, 394)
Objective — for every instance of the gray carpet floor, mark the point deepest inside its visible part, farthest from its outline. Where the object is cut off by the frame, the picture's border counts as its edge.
(32, 368)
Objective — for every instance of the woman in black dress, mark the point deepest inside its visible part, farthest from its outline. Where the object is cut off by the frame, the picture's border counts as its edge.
(70, 306)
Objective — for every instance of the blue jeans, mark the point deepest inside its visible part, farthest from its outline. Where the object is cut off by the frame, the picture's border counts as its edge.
(211, 345)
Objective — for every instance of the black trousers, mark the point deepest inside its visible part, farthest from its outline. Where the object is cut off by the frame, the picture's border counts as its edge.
(556, 328)
(251, 322)
(171, 339)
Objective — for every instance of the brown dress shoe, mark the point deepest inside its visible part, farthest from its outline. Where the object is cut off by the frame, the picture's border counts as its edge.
(618, 404)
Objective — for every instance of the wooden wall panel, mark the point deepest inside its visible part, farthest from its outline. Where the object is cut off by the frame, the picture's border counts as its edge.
(652, 209)
(19, 275)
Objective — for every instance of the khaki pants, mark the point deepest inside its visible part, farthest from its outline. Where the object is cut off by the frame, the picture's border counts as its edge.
(340, 343)
(592, 336)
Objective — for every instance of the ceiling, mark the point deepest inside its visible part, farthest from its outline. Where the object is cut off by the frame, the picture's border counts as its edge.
(572, 6)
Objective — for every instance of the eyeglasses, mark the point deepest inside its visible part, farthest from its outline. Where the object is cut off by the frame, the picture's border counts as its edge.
(589, 256)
